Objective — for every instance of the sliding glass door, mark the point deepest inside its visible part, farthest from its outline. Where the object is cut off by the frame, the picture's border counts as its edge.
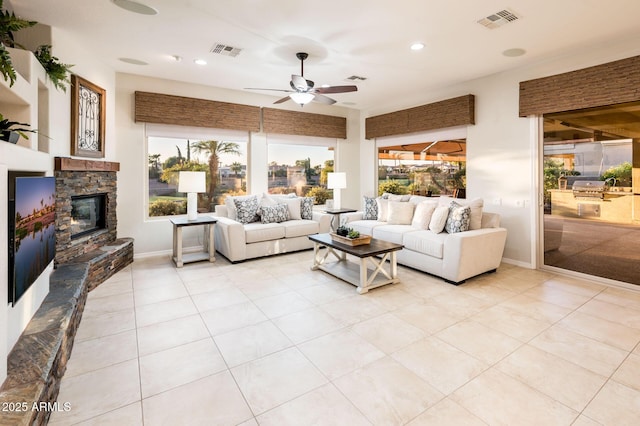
(591, 161)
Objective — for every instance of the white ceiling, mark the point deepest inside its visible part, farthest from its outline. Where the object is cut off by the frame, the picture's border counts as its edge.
(368, 38)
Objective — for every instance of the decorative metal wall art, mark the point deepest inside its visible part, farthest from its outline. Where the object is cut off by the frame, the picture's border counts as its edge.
(87, 118)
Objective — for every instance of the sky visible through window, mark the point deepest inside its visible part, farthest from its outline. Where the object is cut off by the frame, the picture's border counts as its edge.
(280, 153)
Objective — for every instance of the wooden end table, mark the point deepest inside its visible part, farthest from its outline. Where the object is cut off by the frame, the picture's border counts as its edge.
(358, 274)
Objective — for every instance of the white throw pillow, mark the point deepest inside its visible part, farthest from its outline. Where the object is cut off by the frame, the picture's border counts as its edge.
(294, 207)
(268, 200)
(399, 213)
(397, 197)
(423, 213)
(439, 219)
(382, 209)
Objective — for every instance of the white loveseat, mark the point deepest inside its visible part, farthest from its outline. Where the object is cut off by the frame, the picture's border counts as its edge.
(240, 241)
(451, 256)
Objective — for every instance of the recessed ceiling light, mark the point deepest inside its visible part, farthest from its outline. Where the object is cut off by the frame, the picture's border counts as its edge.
(417, 46)
(133, 61)
(200, 61)
(512, 53)
(135, 7)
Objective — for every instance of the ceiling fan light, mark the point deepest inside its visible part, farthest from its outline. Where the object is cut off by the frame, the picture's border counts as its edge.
(302, 98)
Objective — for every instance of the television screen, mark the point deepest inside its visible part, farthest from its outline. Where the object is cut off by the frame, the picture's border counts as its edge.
(32, 240)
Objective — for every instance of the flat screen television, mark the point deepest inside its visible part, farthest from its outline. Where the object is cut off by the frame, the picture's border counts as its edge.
(32, 239)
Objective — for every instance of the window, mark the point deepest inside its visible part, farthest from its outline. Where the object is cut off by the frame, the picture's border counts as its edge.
(223, 161)
(302, 169)
(425, 168)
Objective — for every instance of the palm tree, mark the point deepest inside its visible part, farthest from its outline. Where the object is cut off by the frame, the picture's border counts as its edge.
(213, 149)
(236, 168)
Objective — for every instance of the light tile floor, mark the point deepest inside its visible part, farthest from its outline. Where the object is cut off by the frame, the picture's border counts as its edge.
(270, 342)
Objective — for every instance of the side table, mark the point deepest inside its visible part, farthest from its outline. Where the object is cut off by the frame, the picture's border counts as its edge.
(208, 247)
(335, 220)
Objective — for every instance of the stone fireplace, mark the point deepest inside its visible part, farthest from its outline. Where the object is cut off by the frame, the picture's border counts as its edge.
(77, 182)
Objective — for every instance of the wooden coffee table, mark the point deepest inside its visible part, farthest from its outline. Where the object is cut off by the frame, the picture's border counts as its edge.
(358, 274)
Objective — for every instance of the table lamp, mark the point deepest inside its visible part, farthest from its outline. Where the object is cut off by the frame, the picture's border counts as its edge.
(336, 181)
(191, 183)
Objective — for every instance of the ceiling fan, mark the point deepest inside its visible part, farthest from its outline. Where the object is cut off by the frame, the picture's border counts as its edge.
(303, 90)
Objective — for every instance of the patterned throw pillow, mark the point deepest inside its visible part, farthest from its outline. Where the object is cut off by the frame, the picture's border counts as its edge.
(275, 214)
(459, 218)
(247, 209)
(306, 207)
(370, 209)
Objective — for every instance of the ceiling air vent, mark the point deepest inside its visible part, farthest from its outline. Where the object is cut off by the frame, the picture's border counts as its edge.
(356, 78)
(223, 49)
(498, 19)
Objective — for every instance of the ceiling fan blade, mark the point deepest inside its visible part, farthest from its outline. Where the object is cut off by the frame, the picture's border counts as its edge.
(273, 90)
(299, 83)
(336, 89)
(323, 99)
(285, 99)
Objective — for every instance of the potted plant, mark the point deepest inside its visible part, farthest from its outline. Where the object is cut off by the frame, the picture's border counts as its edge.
(10, 131)
(9, 23)
(57, 72)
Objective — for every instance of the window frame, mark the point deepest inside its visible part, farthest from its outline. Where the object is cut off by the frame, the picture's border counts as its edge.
(152, 130)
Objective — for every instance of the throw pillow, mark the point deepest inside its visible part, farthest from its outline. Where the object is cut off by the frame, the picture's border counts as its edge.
(306, 207)
(423, 213)
(400, 213)
(293, 203)
(382, 204)
(439, 219)
(247, 209)
(229, 201)
(370, 211)
(476, 205)
(397, 197)
(275, 214)
(458, 219)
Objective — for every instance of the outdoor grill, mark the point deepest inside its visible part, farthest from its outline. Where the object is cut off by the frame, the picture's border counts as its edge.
(589, 189)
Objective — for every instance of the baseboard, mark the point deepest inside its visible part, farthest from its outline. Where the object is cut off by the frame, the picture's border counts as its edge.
(519, 263)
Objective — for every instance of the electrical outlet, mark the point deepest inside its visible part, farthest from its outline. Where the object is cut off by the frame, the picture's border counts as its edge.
(497, 201)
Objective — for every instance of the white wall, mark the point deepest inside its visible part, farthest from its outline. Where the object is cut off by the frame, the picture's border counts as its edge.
(154, 236)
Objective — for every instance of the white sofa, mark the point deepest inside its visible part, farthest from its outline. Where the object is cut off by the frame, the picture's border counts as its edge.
(237, 241)
(451, 256)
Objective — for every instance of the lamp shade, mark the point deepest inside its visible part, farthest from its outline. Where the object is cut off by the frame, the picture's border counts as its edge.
(302, 98)
(191, 182)
(336, 180)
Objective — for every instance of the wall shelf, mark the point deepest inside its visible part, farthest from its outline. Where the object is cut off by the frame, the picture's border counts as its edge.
(21, 102)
